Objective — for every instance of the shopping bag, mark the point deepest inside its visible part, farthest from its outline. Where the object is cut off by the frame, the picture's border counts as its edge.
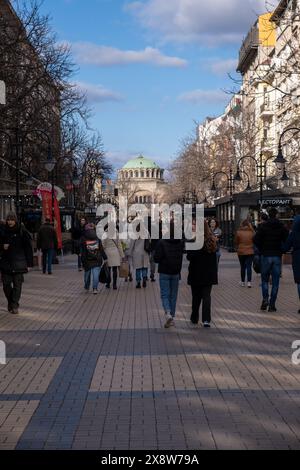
(257, 264)
(104, 277)
(124, 270)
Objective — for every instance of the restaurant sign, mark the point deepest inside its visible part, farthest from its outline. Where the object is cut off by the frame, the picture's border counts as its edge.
(276, 202)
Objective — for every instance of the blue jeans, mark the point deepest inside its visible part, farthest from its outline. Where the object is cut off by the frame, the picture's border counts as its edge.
(48, 256)
(141, 274)
(169, 285)
(270, 266)
(95, 272)
(246, 267)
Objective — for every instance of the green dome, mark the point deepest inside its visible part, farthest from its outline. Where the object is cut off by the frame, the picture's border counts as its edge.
(140, 162)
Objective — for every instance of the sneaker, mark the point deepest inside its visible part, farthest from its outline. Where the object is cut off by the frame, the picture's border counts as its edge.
(95, 291)
(9, 308)
(242, 284)
(15, 311)
(206, 324)
(272, 309)
(264, 305)
(169, 322)
(249, 285)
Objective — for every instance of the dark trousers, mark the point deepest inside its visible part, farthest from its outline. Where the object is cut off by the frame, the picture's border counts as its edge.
(12, 287)
(246, 262)
(48, 256)
(114, 275)
(201, 294)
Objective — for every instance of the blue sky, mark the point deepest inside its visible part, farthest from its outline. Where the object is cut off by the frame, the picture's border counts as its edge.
(153, 67)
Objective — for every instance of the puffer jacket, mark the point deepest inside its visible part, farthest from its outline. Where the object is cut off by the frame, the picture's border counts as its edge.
(244, 241)
(92, 253)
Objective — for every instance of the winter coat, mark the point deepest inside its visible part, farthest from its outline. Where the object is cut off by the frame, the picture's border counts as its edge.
(203, 268)
(19, 256)
(270, 238)
(293, 242)
(77, 234)
(47, 238)
(140, 258)
(92, 253)
(114, 252)
(244, 241)
(169, 255)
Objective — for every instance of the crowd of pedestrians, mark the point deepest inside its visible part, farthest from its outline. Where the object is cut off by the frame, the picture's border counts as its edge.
(108, 259)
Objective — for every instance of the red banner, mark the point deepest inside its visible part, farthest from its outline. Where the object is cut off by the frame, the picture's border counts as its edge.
(57, 224)
(47, 214)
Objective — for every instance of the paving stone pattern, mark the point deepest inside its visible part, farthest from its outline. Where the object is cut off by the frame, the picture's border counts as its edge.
(101, 372)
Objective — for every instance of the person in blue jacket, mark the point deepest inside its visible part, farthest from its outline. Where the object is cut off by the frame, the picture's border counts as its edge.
(293, 243)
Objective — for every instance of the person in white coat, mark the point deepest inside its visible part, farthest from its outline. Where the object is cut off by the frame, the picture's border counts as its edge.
(140, 260)
(114, 252)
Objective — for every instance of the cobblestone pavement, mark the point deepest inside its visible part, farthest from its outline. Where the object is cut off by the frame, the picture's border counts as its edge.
(87, 372)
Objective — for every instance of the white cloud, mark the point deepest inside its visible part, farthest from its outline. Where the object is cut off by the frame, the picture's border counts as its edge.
(222, 66)
(98, 93)
(204, 96)
(103, 56)
(209, 22)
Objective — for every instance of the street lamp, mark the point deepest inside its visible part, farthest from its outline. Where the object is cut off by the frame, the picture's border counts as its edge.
(280, 161)
(261, 172)
(230, 187)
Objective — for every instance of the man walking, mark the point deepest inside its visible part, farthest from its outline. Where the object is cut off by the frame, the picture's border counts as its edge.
(15, 259)
(269, 240)
(47, 242)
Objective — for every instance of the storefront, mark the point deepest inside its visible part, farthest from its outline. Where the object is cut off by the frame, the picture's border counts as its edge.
(248, 205)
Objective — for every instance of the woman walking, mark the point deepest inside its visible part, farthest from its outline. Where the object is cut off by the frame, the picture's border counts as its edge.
(217, 232)
(245, 250)
(139, 255)
(169, 255)
(92, 256)
(293, 243)
(77, 234)
(16, 258)
(115, 255)
(203, 275)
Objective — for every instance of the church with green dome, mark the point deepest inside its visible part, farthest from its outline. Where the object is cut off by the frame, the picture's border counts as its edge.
(141, 181)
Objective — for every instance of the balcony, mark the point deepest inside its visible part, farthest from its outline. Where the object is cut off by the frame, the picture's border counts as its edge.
(267, 110)
(249, 49)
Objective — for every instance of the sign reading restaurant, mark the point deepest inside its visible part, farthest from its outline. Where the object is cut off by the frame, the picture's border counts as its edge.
(276, 202)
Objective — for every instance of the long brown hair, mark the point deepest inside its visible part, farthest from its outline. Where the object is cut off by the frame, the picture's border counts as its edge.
(210, 241)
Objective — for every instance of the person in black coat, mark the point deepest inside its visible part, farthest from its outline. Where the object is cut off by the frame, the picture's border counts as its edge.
(92, 255)
(203, 275)
(47, 243)
(77, 234)
(269, 240)
(169, 255)
(293, 243)
(16, 258)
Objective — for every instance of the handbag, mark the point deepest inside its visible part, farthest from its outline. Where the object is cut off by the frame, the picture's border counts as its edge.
(104, 276)
(124, 270)
(257, 264)
(147, 246)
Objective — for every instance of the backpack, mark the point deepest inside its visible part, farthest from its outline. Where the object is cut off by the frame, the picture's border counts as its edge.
(92, 249)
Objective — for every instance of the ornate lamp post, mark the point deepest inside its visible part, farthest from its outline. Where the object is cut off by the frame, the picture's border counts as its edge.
(230, 188)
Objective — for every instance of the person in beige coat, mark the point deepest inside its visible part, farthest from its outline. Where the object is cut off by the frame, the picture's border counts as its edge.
(245, 250)
(140, 260)
(114, 252)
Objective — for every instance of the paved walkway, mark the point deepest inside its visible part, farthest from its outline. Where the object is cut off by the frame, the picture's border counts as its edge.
(86, 372)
